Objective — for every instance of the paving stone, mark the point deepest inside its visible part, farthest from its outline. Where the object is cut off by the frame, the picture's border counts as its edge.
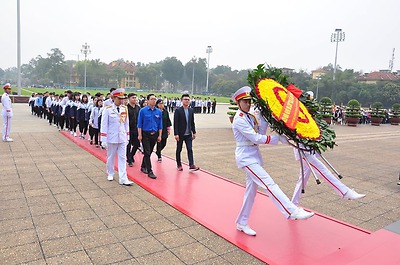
(159, 226)
(218, 245)
(77, 257)
(193, 253)
(21, 254)
(79, 215)
(160, 258)
(88, 225)
(143, 246)
(109, 254)
(49, 220)
(97, 239)
(128, 232)
(112, 221)
(9, 226)
(58, 246)
(18, 238)
(44, 209)
(175, 238)
(54, 231)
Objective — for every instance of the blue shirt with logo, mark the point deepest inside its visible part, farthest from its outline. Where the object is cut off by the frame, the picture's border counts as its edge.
(150, 120)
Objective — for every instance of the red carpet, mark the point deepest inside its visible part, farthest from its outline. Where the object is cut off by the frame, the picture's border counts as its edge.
(214, 202)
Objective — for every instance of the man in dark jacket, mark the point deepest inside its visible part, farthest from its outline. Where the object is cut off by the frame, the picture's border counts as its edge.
(166, 128)
(133, 113)
(184, 131)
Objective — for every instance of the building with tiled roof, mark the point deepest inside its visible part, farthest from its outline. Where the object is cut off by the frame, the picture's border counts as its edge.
(374, 77)
(128, 81)
(315, 74)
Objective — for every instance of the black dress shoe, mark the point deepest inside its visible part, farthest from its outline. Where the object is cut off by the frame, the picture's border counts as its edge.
(144, 170)
(151, 175)
(130, 164)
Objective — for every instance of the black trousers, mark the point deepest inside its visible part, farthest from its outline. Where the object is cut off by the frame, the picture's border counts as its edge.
(50, 117)
(132, 147)
(83, 126)
(61, 120)
(160, 146)
(149, 141)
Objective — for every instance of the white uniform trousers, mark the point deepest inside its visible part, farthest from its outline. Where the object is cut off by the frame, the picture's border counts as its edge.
(321, 170)
(257, 176)
(120, 150)
(6, 127)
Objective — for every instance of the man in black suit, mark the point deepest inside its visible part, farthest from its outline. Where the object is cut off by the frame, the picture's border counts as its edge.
(184, 131)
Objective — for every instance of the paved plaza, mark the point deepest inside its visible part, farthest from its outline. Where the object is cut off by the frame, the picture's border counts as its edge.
(58, 208)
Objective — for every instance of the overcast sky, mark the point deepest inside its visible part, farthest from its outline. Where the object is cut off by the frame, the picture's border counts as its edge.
(283, 33)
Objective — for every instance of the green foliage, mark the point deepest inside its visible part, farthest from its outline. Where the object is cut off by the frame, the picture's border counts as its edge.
(149, 76)
(233, 108)
(377, 110)
(327, 134)
(53, 70)
(391, 92)
(396, 110)
(172, 70)
(353, 109)
(326, 107)
(326, 101)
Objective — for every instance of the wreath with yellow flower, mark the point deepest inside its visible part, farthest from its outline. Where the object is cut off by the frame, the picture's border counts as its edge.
(288, 110)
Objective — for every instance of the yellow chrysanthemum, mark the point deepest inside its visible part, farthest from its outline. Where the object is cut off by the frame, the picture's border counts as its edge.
(287, 108)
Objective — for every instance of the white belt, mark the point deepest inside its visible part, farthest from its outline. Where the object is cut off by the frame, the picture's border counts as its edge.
(239, 144)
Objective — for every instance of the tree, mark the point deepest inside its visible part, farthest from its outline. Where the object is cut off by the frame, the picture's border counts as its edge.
(97, 74)
(1, 73)
(11, 75)
(117, 73)
(391, 93)
(58, 69)
(172, 71)
(200, 71)
(148, 76)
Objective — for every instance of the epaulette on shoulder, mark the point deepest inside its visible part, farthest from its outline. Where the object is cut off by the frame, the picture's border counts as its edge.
(109, 106)
(241, 114)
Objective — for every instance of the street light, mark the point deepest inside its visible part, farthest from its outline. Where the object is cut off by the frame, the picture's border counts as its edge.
(337, 36)
(316, 94)
(193, 61)
(85, 50)
(19, 46)
(208, 51)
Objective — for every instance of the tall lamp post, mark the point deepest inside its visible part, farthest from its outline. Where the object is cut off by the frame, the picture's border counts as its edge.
(337, 36)
(19, 46)
(194, 63)
(208, 51)
(85, 50)
(316, 94)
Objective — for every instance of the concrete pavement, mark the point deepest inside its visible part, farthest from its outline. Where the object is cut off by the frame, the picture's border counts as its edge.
(57, 207)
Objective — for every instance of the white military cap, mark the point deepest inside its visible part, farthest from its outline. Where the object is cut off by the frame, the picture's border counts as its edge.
(242, 93)
(8, 85)
(119, 92)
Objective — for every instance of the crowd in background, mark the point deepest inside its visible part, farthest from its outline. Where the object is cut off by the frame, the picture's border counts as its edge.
(80, 114)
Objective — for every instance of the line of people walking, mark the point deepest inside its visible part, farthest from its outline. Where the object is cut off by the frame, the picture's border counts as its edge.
(122, 124)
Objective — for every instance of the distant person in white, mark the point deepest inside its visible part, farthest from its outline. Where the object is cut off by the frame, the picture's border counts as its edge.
(6, 112)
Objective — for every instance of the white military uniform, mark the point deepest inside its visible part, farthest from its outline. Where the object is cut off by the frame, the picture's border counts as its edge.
(320, 169)
(115, 132)
(7, 113)
(107, 102)
(249, 132)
